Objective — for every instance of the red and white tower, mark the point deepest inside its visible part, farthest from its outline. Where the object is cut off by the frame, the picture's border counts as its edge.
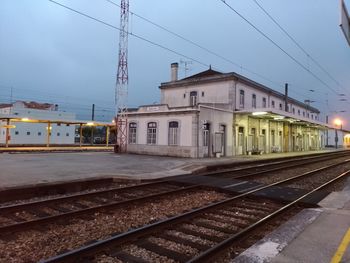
(121, 92)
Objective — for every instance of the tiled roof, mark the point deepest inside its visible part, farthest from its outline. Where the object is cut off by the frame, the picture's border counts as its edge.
(5, 105)
(36, 105)
(206, 73)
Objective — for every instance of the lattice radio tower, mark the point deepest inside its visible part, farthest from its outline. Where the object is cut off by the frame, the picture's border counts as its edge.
(121, 92)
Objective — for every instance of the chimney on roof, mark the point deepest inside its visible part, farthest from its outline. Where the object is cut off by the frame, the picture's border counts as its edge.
(174, 71)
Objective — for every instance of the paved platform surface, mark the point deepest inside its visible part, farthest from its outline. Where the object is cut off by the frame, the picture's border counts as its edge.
(31, 168)
(18, 169)
(313, 236)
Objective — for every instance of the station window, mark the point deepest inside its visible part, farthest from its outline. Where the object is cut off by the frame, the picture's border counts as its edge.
(132, 132)
(273, 104)
(67, 134)
(152, 133)
(58, 134)
(308, 115)
(298, 112)
(39, 133)
(264, 102)
(184, 95)
(312, 116)
(280, 106)
(193, 98)
(293, 110)
(28, 133)
(67, 125)
(16, 132)
(303, 113)
(241, 98)
(202, 93)
(173, 133)
(253, 101)
(58, 124)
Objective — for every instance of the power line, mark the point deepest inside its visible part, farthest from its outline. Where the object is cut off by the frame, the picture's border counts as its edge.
(296, 43)
(200, 46)
(279, 47)
(131, 34)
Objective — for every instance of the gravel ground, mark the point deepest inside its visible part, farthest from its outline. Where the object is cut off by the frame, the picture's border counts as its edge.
(273, 177)
(31, 246)
(242, 244)
(46, 197)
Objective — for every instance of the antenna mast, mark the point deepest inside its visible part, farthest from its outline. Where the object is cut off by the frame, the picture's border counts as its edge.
(121, 93)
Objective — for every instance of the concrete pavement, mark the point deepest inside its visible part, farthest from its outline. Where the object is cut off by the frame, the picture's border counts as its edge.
(18, 169)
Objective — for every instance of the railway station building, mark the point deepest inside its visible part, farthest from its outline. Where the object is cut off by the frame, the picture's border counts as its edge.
(213, 114)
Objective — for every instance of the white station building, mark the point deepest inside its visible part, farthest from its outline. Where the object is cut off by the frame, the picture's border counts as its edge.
(25, 132)
(213, 114)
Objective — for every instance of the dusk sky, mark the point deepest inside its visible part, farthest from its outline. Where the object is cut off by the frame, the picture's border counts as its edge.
(50, 54)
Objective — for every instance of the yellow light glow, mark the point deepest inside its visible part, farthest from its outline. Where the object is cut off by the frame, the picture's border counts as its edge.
(90, 124)
(113, 121)
(259, 113)
(25, 119)
(279, 118)
(9, 126)
(338, 122)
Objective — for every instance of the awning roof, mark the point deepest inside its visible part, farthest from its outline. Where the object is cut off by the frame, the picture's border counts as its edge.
(15, 118)
(282, 116)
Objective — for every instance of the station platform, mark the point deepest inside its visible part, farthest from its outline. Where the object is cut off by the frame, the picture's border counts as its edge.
(31, 168)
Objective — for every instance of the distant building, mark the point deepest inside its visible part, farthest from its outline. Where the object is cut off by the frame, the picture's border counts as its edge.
(28, 133)
(223, 114)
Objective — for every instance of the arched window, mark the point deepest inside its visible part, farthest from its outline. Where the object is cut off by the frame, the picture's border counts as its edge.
(173, 133)
(132, 132)
(152, 133)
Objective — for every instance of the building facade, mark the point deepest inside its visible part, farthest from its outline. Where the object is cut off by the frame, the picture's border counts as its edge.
(25, 132)
(213, 114)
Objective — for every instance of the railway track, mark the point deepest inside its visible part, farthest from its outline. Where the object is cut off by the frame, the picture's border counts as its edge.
(265, 168)
(198, 235)
(28, 215)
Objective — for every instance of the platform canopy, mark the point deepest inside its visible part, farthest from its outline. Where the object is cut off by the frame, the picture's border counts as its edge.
(282, 116)
(15, 118)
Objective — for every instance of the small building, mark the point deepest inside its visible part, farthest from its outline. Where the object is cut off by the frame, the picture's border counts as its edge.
(213, 114)
(25, 132)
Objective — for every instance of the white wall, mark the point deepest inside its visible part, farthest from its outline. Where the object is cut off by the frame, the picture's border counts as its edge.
(185, 127)
(36, 133)
(213, 93)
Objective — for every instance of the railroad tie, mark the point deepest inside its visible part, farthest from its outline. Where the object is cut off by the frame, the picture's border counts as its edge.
(180, 257)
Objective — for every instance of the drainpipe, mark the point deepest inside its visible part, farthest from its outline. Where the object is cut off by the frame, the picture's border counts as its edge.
(199, 107)
(286, 97)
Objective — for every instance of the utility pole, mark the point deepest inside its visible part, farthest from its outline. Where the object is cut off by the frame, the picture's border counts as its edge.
(92, 127)
(121, 94)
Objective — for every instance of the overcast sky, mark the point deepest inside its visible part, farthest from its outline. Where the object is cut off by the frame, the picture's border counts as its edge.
(50, 54)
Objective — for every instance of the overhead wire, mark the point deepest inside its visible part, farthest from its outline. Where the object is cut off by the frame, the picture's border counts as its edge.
(129, 33)
(199, 46)
(296, 42)
(279, 47)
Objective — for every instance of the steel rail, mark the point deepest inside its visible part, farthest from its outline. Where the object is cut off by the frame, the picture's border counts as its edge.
(91, 249)
(16, 207)
(206, 256)
(30, 223)
(305, 161)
